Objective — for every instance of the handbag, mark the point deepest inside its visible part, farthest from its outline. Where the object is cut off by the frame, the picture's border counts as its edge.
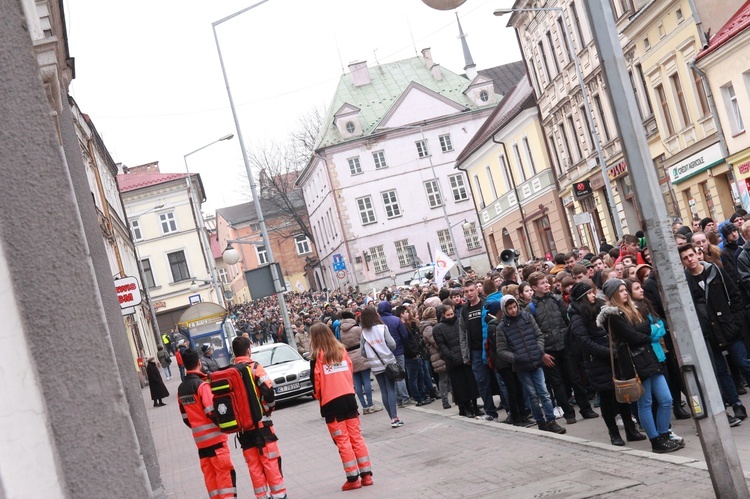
(394, 371)
(626, 390)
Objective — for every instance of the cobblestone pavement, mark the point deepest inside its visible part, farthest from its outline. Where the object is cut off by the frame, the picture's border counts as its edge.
(439, 454)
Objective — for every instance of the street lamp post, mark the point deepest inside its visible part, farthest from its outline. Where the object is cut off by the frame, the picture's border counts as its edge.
(251, 179)
(202, 239)
(587, 106)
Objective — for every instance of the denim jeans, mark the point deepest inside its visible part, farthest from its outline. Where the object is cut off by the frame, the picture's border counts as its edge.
(182, 373)
(387, 394)
(415, 377)
(363, 388)
(402, 394)
(427, 378)
(167, 372)
(444, 386)
(655, 387)
(482, 374)
(536, 388)
(726, 383)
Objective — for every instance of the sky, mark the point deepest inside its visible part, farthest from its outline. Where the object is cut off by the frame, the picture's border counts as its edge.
(148, 72)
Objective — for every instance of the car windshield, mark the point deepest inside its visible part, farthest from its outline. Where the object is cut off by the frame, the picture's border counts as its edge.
(276, 355)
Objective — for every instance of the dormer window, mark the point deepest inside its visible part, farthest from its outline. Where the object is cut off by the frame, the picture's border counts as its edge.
(350, 127)
(484, 96)
(346, 119)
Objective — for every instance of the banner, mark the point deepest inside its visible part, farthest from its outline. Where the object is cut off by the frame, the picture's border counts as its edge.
(443, 264)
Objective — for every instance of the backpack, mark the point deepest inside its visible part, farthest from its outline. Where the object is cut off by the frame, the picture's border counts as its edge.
(236, 398)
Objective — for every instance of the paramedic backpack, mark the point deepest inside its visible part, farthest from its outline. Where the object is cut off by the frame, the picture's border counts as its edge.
(236, 398)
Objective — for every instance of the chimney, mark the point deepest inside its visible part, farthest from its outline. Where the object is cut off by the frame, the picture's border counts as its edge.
(427, 56)
(436, 73)
(360, 73)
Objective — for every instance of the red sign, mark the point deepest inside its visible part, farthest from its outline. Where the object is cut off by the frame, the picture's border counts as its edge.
(128, 293)
(744, 167)
(615, 171)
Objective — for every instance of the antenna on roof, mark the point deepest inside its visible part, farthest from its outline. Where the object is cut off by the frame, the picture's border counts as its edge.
(411, 33)
(338, 50)
(375, 54)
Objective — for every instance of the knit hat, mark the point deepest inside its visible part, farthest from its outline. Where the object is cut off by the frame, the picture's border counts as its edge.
(579, 290)
(611, 286)
(727, 229)
(705, 222)
(493, 307)
(428, 313)
(734, 217)
(433, 301)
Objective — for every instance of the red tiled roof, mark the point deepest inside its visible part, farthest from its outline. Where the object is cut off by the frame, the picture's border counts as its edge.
(133, 181)
(738, 23)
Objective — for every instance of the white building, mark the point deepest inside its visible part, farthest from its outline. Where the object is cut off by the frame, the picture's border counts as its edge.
(383, 178)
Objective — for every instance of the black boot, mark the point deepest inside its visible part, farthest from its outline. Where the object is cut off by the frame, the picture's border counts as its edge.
(631, 434)
(614, 436)
(662, 444)
(679, 412)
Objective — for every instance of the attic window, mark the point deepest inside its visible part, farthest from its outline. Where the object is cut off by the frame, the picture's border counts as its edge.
(349, 127)
(484, 96)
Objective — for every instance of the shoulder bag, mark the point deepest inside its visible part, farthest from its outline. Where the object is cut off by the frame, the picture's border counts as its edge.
(626, 390)
(394, 371)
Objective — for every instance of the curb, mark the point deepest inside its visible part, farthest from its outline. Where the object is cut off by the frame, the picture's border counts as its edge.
(663, 458)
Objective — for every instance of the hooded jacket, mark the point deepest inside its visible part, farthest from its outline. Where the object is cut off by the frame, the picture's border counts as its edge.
(351, 334)
(632, 343)
(426, 328)
(520, 342)
(397, 329)
(496, 296)
(594, 344)
(550, 312)
(446, 338)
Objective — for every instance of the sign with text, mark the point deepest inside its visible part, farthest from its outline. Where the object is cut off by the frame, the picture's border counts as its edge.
(582, 188)
(696, 163)
(128, 293)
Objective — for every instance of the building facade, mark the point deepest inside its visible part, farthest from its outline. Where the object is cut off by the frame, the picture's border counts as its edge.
(513, 182)
(167, 239)
(381, 189)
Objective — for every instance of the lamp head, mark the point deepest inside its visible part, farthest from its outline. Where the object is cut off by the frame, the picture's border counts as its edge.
(230, 255)
(502, 12)
(194, 286)
(443, 4)
(227, 137)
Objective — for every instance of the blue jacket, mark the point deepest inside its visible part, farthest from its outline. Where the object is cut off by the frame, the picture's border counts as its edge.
(520, 342)
(496, 296)
(395, 327)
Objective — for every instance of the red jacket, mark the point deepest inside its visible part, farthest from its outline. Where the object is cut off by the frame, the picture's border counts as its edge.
(196, 404)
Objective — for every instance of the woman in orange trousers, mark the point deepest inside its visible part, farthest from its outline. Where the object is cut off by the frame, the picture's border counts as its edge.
(333, 386)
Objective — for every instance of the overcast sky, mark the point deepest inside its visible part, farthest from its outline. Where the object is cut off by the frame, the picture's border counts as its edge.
(148, 73)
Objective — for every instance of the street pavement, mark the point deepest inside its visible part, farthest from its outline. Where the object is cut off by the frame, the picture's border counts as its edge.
(440, 454)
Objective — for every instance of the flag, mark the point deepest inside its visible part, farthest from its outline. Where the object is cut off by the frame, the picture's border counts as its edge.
(299, 286)
(443, 264)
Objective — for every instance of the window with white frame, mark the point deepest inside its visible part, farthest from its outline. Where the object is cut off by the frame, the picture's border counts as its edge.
(576, 21)
(458, 187)
(545, 64)
(262, 255)
(168, 223)
(519, 162)
(480, 194)
(529, 157)
(445, 142)
(471, 236)
(178, 266)
(552, 52)
(379, 158)
(366, 211)
(602, 118)
(135, 230)
(354, 167)
(390, 202)
(504, 170)
(446, 245)
(491, 180)
(555, 155)
(379, 263)
(221, 274)
(148, 273)
(422, 150)
(563, 38)
(433, 193)
(733, 109)
(402, 253)
(303, 244)
(572, 126)
(682, 109)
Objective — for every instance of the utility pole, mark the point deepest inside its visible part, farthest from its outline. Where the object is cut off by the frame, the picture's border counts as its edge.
(705, 399)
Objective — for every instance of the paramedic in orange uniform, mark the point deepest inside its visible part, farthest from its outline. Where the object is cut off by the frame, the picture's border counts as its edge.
(196, 405)
(259, 445)
(333, 386)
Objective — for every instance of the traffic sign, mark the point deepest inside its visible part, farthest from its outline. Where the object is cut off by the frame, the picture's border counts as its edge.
(338, 263)
(341, 274)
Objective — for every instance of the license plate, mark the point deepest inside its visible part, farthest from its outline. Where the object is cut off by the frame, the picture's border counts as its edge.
(286, 388)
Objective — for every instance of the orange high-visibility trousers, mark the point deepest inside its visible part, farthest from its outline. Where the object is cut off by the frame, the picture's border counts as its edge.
(219, 475)
(352, 448)
(265, 470)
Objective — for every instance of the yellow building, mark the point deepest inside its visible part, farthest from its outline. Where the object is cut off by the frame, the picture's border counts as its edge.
(513, 183)
(726, 63)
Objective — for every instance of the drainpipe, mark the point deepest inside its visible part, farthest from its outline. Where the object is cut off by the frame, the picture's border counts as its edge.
(518, 199)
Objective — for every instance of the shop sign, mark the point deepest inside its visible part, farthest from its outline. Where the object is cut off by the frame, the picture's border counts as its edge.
(617, 171)
(128, 293)
(567, 201)
(582, 188)
(744, 168)
(597, 181)
(698, 162)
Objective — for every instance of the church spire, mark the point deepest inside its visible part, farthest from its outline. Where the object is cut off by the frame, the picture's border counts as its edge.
(470, 68)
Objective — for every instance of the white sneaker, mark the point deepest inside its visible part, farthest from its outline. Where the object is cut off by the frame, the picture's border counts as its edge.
(618, 420)
(674, 436)
(558, 412)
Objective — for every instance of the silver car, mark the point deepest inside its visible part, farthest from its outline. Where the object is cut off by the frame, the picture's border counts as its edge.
(287, 369)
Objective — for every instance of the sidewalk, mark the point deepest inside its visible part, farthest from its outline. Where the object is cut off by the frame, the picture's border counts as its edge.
(439, 454)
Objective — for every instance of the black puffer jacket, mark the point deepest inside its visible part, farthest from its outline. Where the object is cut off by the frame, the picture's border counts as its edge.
(551, 316)
(637, 337)
(520, 342)
(719, 306)
(446, 337)
(594, 344)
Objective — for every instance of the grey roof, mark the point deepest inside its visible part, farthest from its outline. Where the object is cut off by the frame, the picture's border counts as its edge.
(506, 76)
(245, 212)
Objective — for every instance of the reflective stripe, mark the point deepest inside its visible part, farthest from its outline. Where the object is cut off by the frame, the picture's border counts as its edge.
(336, 433)
(184, 416)
(365, 459)
(260, 490)
(263, 379)
(227, 491)
(276, 488)
(208, 436)
(272, 404)
(213, 493)
(209, 409)
(205, 427)
(365, 469)
(272, 455)
(350, 464)
(352, 473)
(228, 424)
